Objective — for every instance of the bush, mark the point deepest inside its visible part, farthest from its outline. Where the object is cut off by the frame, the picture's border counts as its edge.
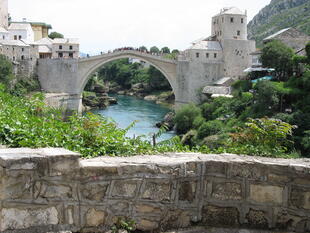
(210, 128)
(185, 117)
(265, 136)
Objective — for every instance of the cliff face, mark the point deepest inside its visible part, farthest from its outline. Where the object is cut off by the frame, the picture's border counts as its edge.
(280, 14)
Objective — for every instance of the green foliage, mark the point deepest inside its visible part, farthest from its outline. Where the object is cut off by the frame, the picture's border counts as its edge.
(29, 123)
(6, 70)
(126, 224)
(266, 100)
(210, 128)
(165, 50)
(25, 86)
(54, 35)
(277, 55)
(143, 48)
(308, 51)
(242, 85)
(270, 136)
(185, 117)
(154, 49)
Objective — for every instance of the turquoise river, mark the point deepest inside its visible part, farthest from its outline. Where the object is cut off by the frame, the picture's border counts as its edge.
(130, 109)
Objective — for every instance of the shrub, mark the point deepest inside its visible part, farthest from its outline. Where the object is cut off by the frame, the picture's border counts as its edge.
(185, 117)
(210, 128)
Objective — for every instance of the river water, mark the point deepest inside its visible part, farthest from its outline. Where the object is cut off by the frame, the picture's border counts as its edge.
(130, 109)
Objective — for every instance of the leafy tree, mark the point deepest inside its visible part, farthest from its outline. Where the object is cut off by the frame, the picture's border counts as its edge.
(308, 51)
(175, 51)
(157, 81)
(165, 50)
(277, 55)
(143, 48)
(54, 35)
(154, 49)
(6, 70)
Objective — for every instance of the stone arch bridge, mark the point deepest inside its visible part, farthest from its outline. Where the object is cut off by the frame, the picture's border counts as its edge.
(64, 80)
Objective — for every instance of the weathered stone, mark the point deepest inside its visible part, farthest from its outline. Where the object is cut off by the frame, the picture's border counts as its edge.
(17, 218)
(95, 218)
(285, 220)
(257, 219)
(125, 188)
(227, 191)
(147, 225)
(157, 190)
(278, 178)
(249, 171)
(147, 209)
(187, 191)
(191, 169)
(266, 194)
(300, 197)
(52, 190)
(216, 168)
(94, 191)
(17, 187)
(175, 219)
(220, 216)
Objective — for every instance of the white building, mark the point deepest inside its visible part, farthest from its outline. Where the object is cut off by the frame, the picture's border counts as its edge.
(21, 31)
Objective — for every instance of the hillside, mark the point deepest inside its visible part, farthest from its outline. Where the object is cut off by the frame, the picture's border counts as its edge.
(280, 14)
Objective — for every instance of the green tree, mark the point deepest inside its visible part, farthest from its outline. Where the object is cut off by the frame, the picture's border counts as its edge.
(143, 48)
(157, 81)
(154, 49)
(165, 50)
(308, 51)
(54, 35)
(185, 118)
(6, 70)
(277, 55)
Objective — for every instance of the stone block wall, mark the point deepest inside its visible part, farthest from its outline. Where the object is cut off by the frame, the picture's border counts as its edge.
(47, 190)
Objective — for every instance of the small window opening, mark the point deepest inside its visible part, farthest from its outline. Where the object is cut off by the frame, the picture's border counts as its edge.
(231, 19)
(197, 55)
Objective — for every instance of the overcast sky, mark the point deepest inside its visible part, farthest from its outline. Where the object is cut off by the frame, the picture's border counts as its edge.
(107, 24)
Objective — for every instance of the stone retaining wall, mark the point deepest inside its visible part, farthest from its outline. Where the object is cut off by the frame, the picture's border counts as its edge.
(52, 190)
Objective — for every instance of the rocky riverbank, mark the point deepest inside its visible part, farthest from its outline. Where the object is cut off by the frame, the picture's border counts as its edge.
(98, 98)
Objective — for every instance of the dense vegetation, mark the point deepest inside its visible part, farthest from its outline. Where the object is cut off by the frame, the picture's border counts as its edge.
(282, 106)
(280, 14)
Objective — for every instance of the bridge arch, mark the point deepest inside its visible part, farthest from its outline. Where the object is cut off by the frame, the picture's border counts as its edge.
(87, 66)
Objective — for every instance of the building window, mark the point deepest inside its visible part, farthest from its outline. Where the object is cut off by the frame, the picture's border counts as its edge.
(215, 55)
(238, 33)
(22, 57)
(60, 55)
(70, 47)
(23, 49)
(3, 37)
(222, 19)
(231, 19)
(220, 33)
(60, 46)
(13, 49)
(242, 20)
(19, 37)
(71, 55)
(15, 37)
(197, 55)
(207, 55)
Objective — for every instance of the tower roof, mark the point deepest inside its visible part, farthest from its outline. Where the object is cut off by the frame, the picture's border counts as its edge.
(231, 11)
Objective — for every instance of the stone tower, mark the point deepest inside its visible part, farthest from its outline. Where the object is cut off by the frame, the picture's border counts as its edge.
(230, 23)
(4, 14)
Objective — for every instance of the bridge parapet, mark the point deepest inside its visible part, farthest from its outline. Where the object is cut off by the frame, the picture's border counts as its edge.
(130, 52)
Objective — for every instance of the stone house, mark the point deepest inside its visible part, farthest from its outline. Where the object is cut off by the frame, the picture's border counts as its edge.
(293, 38)
(41, 30)
(65, 48)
